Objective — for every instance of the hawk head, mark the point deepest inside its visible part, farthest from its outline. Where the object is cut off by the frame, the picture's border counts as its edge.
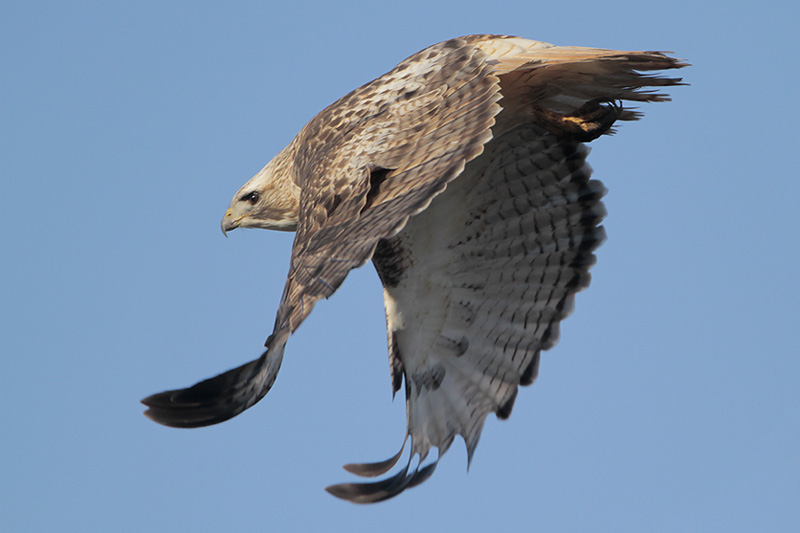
(270, 200)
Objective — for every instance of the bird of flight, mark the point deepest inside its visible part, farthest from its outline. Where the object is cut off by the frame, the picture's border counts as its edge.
(462, 175)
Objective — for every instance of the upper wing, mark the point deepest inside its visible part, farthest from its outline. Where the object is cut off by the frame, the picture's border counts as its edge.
(364, 164)
(360, 182)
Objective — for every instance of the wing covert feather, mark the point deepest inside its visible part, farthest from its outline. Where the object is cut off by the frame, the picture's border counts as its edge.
(420, 124)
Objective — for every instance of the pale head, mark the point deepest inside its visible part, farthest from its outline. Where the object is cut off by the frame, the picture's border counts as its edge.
(270, 200)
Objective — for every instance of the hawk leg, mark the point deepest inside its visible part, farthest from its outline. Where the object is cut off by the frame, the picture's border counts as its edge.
(587, 123)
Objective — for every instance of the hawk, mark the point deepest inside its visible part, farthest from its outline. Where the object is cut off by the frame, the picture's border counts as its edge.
(462, 175)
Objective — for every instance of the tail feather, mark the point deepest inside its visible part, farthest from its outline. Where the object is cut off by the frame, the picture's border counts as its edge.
(562, 78)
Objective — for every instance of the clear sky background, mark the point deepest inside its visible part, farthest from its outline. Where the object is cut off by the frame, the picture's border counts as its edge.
(671, 403)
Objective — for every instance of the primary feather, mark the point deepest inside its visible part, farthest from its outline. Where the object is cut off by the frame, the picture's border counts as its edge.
(462, 175)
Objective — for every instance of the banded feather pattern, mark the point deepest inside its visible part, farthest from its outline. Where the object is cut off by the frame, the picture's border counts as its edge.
(497, 277)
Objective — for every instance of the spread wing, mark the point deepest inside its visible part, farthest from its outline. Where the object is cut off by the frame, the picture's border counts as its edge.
(470, 307)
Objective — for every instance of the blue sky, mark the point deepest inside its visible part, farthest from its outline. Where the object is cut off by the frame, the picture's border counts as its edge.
(670, 404)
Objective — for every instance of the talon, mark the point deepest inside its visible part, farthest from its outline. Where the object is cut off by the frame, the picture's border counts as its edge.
(585, 124)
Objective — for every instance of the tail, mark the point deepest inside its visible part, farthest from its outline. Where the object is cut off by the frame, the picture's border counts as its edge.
(563, 78)
(219, 398)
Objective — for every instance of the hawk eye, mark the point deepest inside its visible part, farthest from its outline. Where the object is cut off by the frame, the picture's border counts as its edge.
(250, 197)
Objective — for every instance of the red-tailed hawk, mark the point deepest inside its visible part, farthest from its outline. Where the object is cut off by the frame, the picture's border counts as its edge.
(462, 175)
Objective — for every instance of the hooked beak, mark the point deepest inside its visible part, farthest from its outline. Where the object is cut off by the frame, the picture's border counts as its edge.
(228, 223)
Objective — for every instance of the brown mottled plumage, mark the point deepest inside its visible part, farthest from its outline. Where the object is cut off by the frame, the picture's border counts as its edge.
(461, 173)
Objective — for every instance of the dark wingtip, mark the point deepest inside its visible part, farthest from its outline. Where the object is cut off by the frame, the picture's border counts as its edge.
(504, 410)
(382, 490)
(174, 409)
(372, 492)
(422, 475)
(531, 372)
(210, 401)
(374, 469)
